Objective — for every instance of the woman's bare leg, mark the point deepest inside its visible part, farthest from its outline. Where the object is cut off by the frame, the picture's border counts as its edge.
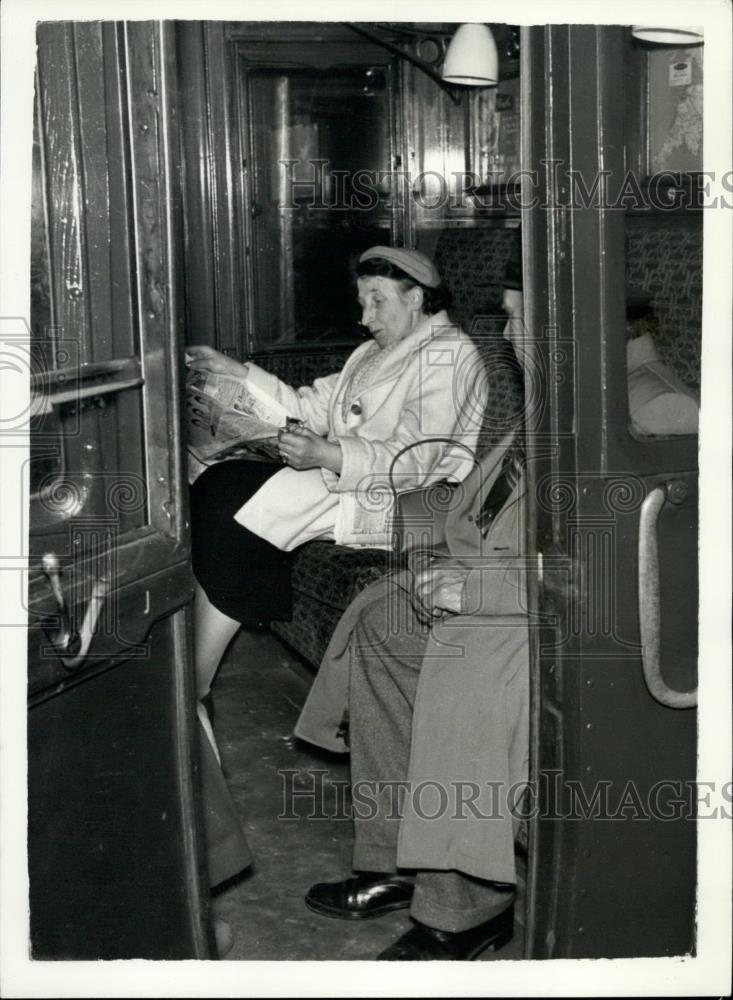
(214, 631)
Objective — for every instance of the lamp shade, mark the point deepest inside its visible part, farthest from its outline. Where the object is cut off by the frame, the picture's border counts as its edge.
(472, 58)
(667, 35)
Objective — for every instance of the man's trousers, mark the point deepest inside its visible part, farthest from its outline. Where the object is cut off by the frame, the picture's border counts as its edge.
(386, 657)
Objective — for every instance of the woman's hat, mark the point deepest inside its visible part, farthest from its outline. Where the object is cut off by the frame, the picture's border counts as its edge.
(412, 262)
(513, 271)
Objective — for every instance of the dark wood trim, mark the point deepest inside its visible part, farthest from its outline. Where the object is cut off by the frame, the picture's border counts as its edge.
(199, 269)
(222, 164)
(545, 131)
(153, 197)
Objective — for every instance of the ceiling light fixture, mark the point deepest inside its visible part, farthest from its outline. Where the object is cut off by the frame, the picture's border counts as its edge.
(471, 56)
(472, 59)
(666, 35)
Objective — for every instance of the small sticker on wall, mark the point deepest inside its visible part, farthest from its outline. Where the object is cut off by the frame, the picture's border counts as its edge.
(680, 73)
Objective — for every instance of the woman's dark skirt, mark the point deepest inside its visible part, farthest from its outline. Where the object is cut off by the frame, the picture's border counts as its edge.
(243, 575)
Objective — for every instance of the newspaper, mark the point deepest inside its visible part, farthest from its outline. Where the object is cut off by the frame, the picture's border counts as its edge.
(227, 417)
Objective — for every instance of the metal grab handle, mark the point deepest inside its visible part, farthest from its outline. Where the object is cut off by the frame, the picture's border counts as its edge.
(650, 613)
(66, 640)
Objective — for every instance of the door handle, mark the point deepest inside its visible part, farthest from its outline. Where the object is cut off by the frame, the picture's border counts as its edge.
(73, 646)
(650, 612)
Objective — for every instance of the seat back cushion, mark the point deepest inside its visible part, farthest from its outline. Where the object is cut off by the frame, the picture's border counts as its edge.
(472, 263)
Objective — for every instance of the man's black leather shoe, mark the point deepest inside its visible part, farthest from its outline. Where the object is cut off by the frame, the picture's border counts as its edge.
(423, 943)
(368, 895)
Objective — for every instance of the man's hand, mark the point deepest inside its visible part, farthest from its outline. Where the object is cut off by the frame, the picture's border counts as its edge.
(205, 358)
(439, 588)
(302, 449)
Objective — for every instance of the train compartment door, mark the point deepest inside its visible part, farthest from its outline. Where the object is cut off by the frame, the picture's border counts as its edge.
(613, 857)
(113, 828)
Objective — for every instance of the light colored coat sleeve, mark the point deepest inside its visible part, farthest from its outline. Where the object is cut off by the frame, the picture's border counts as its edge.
(441, 401)
(659, 403)
(496, 579)
(498, 587)
(309, 403)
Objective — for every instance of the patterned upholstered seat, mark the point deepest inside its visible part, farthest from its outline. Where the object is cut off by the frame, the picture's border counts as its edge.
(304, 367)
(326, 578)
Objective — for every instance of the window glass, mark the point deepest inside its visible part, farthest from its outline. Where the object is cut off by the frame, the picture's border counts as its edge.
(663, 325)
(87, 414)
(664, 244)
(319, 142)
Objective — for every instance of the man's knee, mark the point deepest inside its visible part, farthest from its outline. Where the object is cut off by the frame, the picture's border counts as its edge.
(372, 629)
(387, 629)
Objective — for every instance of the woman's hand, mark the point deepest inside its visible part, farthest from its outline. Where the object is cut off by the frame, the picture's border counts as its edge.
(205, 358)
(302, 449)
(440, 588)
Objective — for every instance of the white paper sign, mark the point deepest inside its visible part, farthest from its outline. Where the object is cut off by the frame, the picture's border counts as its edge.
(680, 73)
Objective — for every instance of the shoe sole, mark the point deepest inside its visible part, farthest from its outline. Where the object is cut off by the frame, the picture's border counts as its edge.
(500, 941)
(328, 911)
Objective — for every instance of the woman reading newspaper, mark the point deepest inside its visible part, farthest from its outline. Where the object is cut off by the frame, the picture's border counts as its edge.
(380, 422)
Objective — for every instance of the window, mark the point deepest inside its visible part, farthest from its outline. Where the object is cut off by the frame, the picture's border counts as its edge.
(318, 151)
(87, 424)
(663, 197)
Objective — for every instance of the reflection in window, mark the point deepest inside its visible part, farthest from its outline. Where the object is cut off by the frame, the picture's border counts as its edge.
(319, 142)
(659, 402)
(87, 457)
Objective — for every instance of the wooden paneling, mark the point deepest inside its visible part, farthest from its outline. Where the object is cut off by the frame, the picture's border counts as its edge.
(226, 234)
(214, 297)
(62, 142)
(153, 139)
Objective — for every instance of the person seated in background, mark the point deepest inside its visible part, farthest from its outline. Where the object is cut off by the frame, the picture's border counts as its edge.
(659, 403)
(418, 378)
(434, 664)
